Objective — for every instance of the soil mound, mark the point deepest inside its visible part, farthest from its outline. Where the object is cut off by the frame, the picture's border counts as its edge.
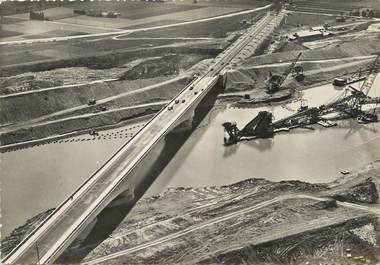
(364, 192)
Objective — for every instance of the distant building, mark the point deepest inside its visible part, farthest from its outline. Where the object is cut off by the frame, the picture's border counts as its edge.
(34, 15)
(97, 13)
(110, 14)
(319, 28)
(308, 35)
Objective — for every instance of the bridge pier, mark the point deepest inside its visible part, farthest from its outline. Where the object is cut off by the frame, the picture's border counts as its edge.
(123, 198)
(84, 234)
(133, 187)
(185, 126)
(222, 79)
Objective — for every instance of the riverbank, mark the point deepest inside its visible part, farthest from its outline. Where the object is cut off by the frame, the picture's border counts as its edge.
(54, 167)
(349, 145)
(286, 222)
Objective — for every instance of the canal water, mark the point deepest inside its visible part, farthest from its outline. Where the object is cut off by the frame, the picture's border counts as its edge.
(36, 179)
(302, 154)
(39, 178)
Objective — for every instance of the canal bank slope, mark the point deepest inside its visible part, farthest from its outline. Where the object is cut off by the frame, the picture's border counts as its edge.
(254, 220)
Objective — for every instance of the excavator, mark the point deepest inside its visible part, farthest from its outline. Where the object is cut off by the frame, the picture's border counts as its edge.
(260, 126)
(274, 82)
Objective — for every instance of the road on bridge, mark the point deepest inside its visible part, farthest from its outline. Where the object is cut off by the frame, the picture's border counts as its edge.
(79, 209)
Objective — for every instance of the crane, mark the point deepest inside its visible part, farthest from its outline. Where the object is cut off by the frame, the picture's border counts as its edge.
(349, 103)
(275, 82)
(351, 100)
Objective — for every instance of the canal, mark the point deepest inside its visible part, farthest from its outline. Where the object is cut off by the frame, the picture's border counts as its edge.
(312, 156)
(39, 178)
(36, 179)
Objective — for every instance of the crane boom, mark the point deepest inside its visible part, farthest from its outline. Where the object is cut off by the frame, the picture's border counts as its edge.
(289, 69)
(367, 85)
(275, 81)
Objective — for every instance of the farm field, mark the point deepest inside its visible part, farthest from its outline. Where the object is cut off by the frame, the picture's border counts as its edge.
(200, 33)
(134, 10)
(152, 20)
(27, 28)
(61, 20)
(218, 28)
(7, 33)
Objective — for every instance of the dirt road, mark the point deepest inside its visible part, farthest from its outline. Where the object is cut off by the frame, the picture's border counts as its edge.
(273, 235)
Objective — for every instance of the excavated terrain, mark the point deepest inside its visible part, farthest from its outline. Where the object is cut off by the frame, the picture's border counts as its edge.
(38, 97)
(89, 85)
(339, 55)
(48, 95)
(252, 221)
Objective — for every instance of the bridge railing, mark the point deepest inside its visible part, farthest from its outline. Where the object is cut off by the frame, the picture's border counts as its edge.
(69, 199)
(118, 181)
(80, 187)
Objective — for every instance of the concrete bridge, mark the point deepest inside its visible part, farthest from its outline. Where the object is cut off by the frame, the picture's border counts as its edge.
(131, 164)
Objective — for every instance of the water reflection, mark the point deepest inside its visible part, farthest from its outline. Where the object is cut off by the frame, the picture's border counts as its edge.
(313, 156)
(39, 178)
(261, 144)
(230, 150)
(309, 155)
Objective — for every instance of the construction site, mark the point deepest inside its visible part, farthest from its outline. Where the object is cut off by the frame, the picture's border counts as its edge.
(352, 103)
(190, 132)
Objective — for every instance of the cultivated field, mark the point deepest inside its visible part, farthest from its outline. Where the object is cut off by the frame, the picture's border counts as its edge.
(133, 14)
(218, 28)
(134, 10)
(153, 19)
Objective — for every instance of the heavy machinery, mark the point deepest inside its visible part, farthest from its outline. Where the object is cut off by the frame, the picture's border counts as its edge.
(349, 104)
(297, 73)
(275, 82)
(354, 77)
(260, 126)
(231, 133)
